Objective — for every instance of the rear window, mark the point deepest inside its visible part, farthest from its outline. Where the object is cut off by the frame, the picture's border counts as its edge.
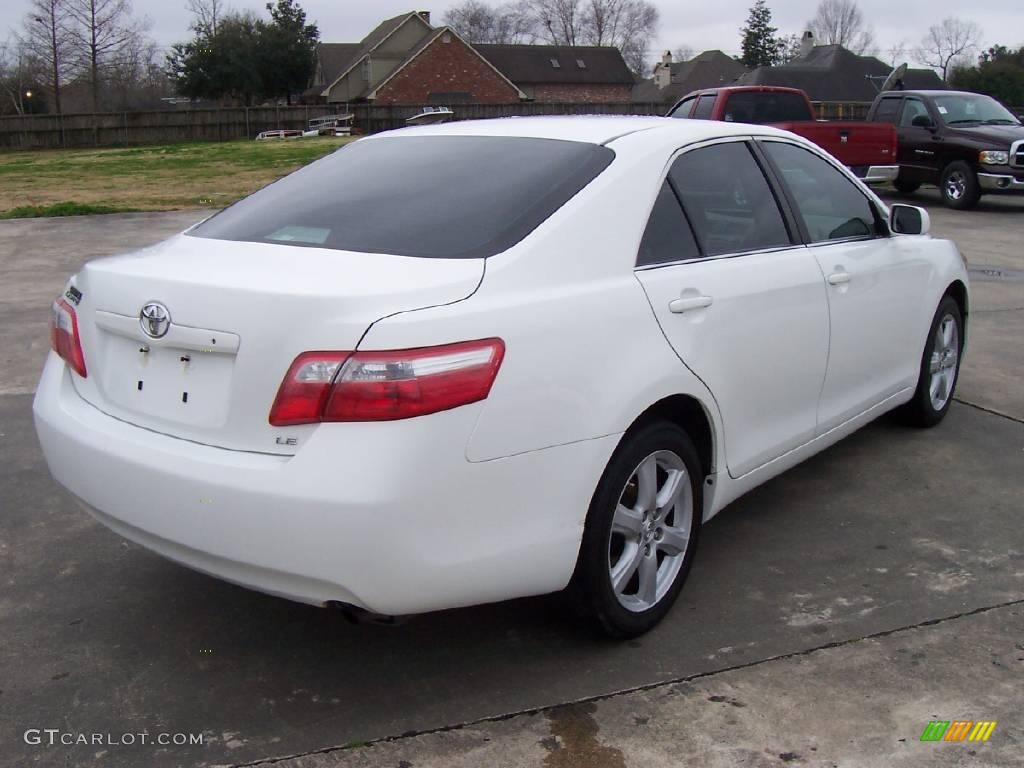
(888, 109)
(766, 107)
(705, 106)
(425, 196)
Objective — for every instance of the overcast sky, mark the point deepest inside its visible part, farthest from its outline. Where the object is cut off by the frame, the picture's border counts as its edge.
(700, 25)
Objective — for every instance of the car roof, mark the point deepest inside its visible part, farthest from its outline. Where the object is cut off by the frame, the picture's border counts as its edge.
(932, 93)
(748, 89)
(593, 129)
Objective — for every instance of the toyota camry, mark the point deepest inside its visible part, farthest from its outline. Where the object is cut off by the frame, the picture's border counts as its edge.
(462, 363)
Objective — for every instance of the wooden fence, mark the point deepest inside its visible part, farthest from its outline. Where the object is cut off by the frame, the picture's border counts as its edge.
(171, 126)
(157, 127)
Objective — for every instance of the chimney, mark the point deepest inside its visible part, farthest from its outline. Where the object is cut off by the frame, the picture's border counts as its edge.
(425, 15)
(663, 71)
(806, 44)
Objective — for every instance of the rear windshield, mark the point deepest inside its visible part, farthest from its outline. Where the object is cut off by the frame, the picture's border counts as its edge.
(766, 107)
(427, 196)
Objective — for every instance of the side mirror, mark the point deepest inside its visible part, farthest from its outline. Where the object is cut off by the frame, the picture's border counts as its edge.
(909, 220)
(922, 121)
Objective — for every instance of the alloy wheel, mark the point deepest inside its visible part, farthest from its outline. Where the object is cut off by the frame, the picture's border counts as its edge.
(943, 364)
(650, 531)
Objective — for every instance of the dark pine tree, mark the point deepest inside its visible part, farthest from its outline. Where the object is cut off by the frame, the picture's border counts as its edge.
(287, 50)
(761, 45)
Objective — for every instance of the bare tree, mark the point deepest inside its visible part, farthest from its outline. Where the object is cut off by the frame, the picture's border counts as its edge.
(138, 79)
(516, 23)
(897, 54)
(683, 53)
(948, 42)
(102, 32)
(560, 21)
(627, 25)
(790, 48)
(481, 23)
(17, 76)
(46, 36)
(206, 15)
(840, 22)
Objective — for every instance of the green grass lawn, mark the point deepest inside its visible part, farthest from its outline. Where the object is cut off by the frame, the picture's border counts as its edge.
(158, 178)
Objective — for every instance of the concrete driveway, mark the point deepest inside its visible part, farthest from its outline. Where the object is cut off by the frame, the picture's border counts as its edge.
(830, 614)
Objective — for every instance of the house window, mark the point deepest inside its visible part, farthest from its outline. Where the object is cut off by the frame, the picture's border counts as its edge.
(555, 64)
(366, 70)
(581, 63)
(446, 38)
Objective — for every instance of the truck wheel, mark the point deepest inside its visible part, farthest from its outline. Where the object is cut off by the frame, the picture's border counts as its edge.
(959, 186)
(906, 187)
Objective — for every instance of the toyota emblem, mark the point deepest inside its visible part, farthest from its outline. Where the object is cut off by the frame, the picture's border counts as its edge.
(155, 320)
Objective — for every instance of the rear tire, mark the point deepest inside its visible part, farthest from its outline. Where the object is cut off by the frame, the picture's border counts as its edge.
(959, 186)
(940, 367)
(906, 187)
(640, 539)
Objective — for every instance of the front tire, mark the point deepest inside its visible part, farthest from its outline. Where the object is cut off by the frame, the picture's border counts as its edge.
(641, 531)
(940, 367)
(959, 186)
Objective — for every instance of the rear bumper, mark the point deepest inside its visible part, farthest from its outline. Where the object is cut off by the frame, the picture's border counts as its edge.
(389, 517)
(879, 174)
(1000, 182)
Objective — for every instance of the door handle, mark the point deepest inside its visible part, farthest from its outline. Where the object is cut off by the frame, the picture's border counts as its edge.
(838, 278)
(685, 304)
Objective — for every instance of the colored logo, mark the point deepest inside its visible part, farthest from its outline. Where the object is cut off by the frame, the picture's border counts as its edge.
(958, 730)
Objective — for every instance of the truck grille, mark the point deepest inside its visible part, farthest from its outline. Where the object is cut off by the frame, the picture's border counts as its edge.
(1017, 154)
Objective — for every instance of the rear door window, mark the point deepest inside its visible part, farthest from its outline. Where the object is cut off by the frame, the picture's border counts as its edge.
(705, 106)
(425, 196)
(728, 200)
(668, 237)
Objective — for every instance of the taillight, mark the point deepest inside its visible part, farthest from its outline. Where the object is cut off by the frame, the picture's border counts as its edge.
(385, 386)
(64, 336)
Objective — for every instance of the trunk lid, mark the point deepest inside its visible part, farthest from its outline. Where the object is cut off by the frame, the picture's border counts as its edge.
(239, 313)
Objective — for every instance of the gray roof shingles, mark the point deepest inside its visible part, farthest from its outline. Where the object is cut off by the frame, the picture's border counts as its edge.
(832, 73)
(531, 64)
(710, 69)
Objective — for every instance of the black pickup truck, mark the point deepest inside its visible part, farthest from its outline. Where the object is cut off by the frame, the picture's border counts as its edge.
(965, 143)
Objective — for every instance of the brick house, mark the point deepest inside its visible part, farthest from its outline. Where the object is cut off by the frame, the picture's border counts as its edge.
(406, 60)
(562, 73)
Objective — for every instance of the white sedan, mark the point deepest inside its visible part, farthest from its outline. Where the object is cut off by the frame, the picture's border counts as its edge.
(462, 363)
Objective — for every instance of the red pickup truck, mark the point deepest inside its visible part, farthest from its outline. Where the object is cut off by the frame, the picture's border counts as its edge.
(868, 149)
